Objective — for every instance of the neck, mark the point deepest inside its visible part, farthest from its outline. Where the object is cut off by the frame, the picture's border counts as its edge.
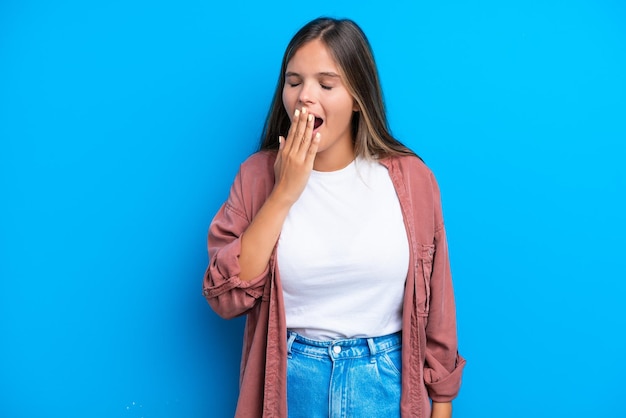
(334, 158)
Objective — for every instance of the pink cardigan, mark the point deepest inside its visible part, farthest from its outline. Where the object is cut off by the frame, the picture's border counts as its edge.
(431, 365)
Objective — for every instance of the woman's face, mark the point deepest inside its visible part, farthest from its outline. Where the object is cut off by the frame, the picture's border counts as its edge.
(314, 81)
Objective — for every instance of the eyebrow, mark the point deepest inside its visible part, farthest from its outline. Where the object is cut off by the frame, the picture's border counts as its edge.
(323, 74)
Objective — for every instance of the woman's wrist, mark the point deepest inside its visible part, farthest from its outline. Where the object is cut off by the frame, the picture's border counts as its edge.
(441, 410)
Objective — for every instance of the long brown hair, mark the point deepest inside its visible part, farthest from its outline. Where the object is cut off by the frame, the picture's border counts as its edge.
(353, 54)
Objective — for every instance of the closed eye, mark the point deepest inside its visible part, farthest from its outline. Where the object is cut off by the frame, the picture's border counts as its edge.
(326, 87)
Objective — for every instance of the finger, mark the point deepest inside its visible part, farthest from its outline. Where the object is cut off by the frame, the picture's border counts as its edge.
(308, 132)
(279, 153)
(300, 128)
(313, 147)
(292, 130)
(279, 156)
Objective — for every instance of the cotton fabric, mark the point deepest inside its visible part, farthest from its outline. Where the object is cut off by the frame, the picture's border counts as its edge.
(341, 277)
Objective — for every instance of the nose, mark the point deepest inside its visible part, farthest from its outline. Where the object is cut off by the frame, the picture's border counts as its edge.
(306, 95)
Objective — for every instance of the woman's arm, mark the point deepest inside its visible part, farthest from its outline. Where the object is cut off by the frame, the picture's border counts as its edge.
(292, 169)
(240, 249)
(444, 365)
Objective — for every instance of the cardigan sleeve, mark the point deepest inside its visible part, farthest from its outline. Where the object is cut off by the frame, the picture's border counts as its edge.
(228, 295)
(444, 366)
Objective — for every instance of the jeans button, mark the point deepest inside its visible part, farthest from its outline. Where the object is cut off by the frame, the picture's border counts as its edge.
(336, 349)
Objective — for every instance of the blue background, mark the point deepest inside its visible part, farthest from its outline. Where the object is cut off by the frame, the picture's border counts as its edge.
(122, 125)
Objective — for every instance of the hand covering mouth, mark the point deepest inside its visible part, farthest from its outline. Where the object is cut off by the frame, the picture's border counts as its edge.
(318, 122)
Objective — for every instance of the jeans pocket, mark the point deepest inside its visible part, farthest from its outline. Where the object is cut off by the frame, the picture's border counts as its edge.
(393, 360)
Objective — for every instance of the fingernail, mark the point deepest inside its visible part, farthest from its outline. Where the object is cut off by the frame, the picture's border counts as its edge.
(304, 110)
(317, 136)
(310, 117)
(297, 113)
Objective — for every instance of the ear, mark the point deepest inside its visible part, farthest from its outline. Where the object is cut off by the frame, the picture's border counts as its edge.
(355, 106)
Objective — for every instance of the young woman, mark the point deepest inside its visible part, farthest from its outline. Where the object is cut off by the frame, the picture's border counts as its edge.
(332, 243)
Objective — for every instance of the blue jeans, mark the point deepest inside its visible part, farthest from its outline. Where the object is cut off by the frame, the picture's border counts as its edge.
(344, 378)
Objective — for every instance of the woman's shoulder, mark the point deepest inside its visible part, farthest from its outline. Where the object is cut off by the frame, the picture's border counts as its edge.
(259, 164)
(408, 164)
(254, 182)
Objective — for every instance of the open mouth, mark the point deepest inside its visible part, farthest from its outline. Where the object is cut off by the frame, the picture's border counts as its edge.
(318, 122)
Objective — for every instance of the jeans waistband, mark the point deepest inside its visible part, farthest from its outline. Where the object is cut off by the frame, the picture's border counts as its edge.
(346, 348)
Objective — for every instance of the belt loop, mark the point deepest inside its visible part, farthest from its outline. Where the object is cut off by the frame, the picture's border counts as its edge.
(290, 340)
(373, 351)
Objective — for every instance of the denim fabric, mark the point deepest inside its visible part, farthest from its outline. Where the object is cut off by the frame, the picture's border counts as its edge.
(344, 378)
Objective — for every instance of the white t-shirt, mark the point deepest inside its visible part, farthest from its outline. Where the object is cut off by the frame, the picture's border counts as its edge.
(343, 255)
